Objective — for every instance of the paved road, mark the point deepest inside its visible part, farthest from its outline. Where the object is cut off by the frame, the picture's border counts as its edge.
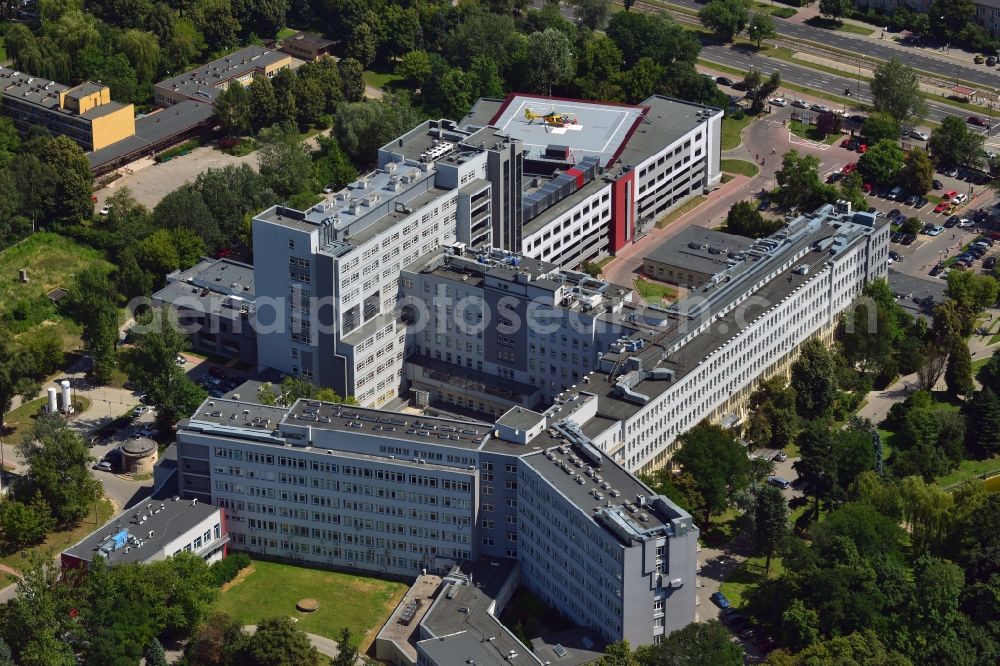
(734, 56)
(881, 49)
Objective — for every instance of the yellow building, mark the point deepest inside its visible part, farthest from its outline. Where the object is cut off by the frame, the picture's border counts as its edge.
(84, 113)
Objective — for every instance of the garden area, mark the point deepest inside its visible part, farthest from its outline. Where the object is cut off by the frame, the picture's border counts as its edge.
(654, 292)
(811, 132)
(268, 589)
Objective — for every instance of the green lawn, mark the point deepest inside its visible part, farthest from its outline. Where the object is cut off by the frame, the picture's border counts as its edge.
(741, 167)
(747, 576)
(799, 128)
(839, 26)
(681, 210)
(605, 261)
(781, 11)
(655, 292)
(382, 78)
(721, 529)
(969, 469)
(362, 604)
(731, 129)
(51, 260)
(59, 541)
(285, 33)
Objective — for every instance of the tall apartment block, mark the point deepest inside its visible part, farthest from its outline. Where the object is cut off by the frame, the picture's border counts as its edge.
(396, 494)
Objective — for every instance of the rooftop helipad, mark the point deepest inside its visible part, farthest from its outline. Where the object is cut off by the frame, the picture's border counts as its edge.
(585, 128)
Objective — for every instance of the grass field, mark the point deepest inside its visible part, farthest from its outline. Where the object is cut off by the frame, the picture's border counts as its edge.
(810, 132)
(382, 78)
(21, 417)
(51, 260)
(270, 588)
(655, 292)
(969, 469)
(741, 167)
(839, 26)
(681, 210)
(285, 33)
(747, 576)
(731, 130)
(59, 541)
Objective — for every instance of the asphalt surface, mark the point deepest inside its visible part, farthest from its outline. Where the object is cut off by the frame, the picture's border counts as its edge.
(727, 54)
(979, 75)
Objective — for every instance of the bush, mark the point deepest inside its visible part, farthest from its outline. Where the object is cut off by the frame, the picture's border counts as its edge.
(783, 12)
(735, 112)
(226, 570)
(177, 151)
(323, 121)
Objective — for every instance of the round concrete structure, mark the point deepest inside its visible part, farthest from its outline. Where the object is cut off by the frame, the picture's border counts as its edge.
(139, 454)
(307, 605)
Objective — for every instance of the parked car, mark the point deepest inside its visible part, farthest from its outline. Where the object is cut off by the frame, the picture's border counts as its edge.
(180, 360)
(896, 237)
(895, 193)
(966, 223)
(104, 210)
(894, 214)
(139, 411)
(820, 108)
(920, 136)
(724, 81)
(328, 189)
(834, 177)
(862, 148)
(952, 222)
(937, 184)
(719, 599)
(908, 239)
(103, 466)
(990, 263)
(850, 168)
(778, 101)
(927, 228)
(991, 61)
(849, 143)
(778, 482)
(857, 117)
(781, 456)
(911, 200)
(959, 199)
(978, 122)
(921, 202)
(942, 207)
(979, 60)
(895, 256)
(217, 372)
(936, 231)
(801, 104)
(937, 269)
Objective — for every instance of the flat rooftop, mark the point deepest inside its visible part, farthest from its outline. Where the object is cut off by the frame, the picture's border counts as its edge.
(666, 120)
(44, 93)
(597, 129)
(460, 616)
(166, 519)
(699, 249)
(204, 81)
(917, 295)
(221, 286)
(152, 129)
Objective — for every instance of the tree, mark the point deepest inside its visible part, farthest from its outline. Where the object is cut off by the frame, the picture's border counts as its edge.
(415, 68)
(697, 644)
(829, 122)
(5, 657)
(651, 35)
(352, 78)
(642, 80)
(143, 53)
(761, 27)
(186, 208)
(912, 226)
(814, 380)
(958, 373)
(362, 45)
(69, 170)
(362, 128)
(835, 9)
(896, 90)
(799, 626)
(284, 162)
(310, 101)
(770, 523)
(24, 524)
(760, 89)
(153, 367)
(952, 144)
(233, 111)
(773, 401)
(745, 220)
(917, 175)
(932, 365)
(233, 194)
(882, 163)
(618, 653)
(726, 17)
(817, 466)
(59, 469)
(92, 301)
(155, 654)
(880, 125)
(717, 462)
(549, 62)
(216, 642)
(347, 652)
(263, 103)
(798, 181)
(591, 13)
(278, 642)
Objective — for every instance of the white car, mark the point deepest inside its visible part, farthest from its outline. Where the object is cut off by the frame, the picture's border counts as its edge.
(103, 466)
(778, 101)
(801, 103)
(917, 134)
(966, 223)
(139, 410)
(105, 210)
(959, 198)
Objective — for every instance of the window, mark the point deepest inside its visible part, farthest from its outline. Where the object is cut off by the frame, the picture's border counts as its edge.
(487, 524)
(487, 541)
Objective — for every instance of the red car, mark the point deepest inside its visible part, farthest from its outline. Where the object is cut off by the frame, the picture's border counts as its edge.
(217, 372)
(947, 196)
(978, 122)
(862, 148)
(867, 187)
(850, 168)
(942, 207)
